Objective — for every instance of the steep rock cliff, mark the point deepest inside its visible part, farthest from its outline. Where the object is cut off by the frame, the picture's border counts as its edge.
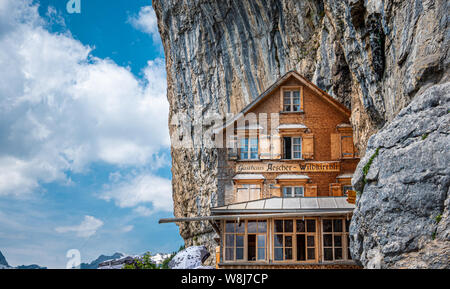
(374, 56)
(401, 218)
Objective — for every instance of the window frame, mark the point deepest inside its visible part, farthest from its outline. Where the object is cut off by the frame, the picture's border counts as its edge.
(294, 234)
(242, 186)
(291, 91)
(246, 150)
(292, 151)
(344, 240)
(293, 191)
(245, 247)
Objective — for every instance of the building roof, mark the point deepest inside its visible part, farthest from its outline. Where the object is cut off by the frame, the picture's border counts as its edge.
(274, 86)
(294, 205)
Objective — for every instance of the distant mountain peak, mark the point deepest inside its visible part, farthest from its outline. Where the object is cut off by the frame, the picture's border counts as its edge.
(3, 260)
(102, 258)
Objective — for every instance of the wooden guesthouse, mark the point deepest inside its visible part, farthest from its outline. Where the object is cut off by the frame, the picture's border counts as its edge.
(284, 178)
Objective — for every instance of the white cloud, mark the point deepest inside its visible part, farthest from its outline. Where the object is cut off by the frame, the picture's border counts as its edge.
(146, 22)
(127, 229)
(62, 109)
(86, 229)
(143, 211)
(145, 188)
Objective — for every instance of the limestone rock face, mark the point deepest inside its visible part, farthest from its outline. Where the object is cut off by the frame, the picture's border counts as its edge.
(401, 218)
(374, 56)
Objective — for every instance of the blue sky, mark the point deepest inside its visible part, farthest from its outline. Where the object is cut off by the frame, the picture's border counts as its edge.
(84, 145)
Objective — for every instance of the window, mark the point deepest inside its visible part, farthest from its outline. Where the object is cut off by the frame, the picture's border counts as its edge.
(292, 148)
(295, 240)
(335, 239)
(291, 100)
(293, 192)
(245, 241)
(256, 240)
(249, 149)
(234, 240)
(248, 192)
(306, 231)
(232, 148)
(283, 240)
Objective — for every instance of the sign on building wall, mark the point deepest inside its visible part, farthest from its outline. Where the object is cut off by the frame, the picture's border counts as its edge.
(281, 167)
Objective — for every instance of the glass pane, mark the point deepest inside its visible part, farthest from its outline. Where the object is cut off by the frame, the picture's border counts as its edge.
(239, 253)
(229, 226)
(278, 240)
(262, 226)
(296, 140)
(261, 241)
(311, 225)
(254, 148)
(310, 241)
(288, 225)
(311, 254)
(328, 254)
(301, 247)
(261, 253)
(229, 254)
(338, 253)
(239, 241)
(327, 240)
(240, 227)
(287, 108)
(347, 226)
(251, 227)
(288, 241)
(244, 148)
(300, 226)
(337, 241)
(278, 226)
(328, 225)
(287, 192)
(288, 253)
(251, 248)
(337, 225)
(287, 148)
(299, 191)
(255, 194)
(297, 155)
(278, 254)
(296, 94)
(296, 107)
(229, 240)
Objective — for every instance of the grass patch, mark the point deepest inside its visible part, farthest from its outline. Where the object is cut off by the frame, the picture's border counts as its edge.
(424, 136)
(366, 168)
